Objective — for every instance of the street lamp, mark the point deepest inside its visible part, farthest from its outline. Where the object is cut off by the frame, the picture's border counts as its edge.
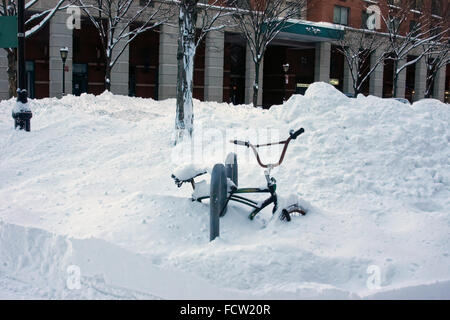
(21, 113)
(64, 52)
(286, 79)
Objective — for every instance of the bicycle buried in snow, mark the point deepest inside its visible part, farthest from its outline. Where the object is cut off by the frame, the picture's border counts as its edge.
(224, 185)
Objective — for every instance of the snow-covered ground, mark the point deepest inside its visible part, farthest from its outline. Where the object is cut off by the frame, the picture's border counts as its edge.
(87, 195)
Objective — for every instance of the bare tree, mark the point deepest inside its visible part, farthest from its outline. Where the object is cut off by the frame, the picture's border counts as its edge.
(260, 22)
(409, 25)
(435, 59)
(115, 21)
(33, 24)
(195, 20)
(357, 47)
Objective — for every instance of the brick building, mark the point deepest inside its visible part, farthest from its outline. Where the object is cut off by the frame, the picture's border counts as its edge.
(223, 68)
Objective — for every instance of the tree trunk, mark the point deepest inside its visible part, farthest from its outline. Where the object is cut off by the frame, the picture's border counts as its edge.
(356, 85)
(185, 54)
(395, 80)
(256, 84)
(355, 92)
(107, 75)
(429, 82)
(12, 72)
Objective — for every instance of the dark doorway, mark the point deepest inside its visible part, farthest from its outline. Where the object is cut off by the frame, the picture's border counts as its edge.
(300, 73)
(388, 78)
(337, 61)
(410, 80)
(364, 67)
(79, 78)
(199, 71)
(37, 61)
(234, 69)
(143, 67)
(87, 51)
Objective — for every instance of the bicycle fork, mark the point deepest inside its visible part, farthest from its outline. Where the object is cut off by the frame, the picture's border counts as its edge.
(272, 186)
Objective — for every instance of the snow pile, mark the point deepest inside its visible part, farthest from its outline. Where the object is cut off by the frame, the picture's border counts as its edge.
(40, 264)
(368, 147)
(374, 174)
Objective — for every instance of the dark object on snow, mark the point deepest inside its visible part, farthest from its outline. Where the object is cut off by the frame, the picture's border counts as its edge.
(22, 116)
(218, 199)
(22, 120)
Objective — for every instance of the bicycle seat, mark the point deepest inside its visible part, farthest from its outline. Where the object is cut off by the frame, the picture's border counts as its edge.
(187, 173)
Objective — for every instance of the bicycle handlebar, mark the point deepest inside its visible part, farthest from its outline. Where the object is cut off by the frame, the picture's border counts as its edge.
(240, 143)
(295, 134)
(292, 136)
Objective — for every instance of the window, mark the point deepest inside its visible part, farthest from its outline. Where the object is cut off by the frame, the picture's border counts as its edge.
(414, 28)
(143, 3)
(364, 18)
(394, 25)
(341, 15)
(238, 3)
(395, 2)
(436, 7)
(435, 31)
(417, 5)
(296, 8)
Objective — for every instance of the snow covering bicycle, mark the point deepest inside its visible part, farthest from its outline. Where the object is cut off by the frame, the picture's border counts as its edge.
(224, 185)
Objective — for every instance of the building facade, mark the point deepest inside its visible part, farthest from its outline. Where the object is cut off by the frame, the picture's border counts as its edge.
(223, 70)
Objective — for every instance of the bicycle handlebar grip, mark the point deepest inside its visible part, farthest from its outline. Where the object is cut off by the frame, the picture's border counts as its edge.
(239, 142)
(295, 134)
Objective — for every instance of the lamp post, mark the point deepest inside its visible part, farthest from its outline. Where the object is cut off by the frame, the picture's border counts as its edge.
(64, 52)
(286, 79)
(21, 113)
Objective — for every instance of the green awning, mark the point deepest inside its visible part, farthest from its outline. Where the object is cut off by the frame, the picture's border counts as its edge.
(313, 30)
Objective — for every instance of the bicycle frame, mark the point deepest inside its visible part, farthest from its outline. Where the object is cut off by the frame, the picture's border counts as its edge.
(234, 196)
(235, 193)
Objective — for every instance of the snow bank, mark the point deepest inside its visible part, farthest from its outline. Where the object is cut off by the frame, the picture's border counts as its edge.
(373, 172)
(370, 146)
(38, 263)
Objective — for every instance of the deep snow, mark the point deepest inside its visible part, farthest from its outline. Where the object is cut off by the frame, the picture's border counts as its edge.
(90, 186)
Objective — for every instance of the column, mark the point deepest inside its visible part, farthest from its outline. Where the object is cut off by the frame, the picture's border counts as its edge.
(4, 84)
(214, 66)
(60, 37)
(401, 81)
(322, 62)
(348, 80)
(119, 72)
(376, 78)
(439, 84)
(420, 81)
(250, 78)
(167, 87)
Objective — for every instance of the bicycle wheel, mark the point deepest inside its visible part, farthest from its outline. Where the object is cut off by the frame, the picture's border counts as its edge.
(231, 167)
(286, 213)
(217, 200)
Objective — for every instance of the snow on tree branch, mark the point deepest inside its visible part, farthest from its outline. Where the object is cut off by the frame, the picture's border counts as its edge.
(119, 22)
(260, 22)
